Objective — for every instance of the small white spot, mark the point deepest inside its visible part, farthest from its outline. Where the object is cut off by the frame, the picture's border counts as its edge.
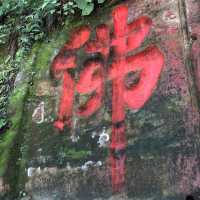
(94, 134)
(74, 138)
(30, 171)
(87, 165)
(38, 114)
(98, 164)
(103, 139)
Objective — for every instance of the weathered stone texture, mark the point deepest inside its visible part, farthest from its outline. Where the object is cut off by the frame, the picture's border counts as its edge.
(162, 156)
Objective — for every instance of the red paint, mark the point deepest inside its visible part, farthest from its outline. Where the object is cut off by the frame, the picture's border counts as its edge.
(124, 39)
(91, 82)
(118, 136)
(102, 42)
(78, 38)
(63, 62)
(66, 102)
(60, 66)
(150, 63)
(117, 172)
(127, 37)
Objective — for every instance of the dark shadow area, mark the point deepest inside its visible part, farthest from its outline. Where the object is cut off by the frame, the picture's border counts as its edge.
(189, 197)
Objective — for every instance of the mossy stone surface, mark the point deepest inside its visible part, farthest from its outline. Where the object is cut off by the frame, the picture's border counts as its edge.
(162, 156)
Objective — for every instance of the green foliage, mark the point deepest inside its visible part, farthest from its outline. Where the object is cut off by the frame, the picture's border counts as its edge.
(28, 19)
(3, 122)
(87, 6)
(69, 7)
(6, 74)
(101, 1)
(73, 154)
(22, 23)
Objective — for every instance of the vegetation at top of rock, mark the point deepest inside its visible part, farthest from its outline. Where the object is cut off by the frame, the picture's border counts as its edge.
(22, 23)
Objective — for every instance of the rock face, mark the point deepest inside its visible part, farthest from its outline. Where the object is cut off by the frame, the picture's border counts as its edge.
(112, 115)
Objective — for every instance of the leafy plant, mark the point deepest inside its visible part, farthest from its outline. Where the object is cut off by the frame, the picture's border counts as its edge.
(101, 1)
(87, 6)
(5, 76)
(3, 122)
(69, 7)
(23, 22)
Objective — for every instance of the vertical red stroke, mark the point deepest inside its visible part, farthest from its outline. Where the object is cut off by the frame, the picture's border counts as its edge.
(60, 67)
(117, 171)
(118, 140)
(66, 102)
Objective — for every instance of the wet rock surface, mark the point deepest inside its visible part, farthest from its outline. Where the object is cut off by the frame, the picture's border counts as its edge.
(161, 160)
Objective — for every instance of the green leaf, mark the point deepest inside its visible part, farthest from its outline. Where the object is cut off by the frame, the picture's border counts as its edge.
(2, 122)
(88, 9)
(81, 4)
(101, 1)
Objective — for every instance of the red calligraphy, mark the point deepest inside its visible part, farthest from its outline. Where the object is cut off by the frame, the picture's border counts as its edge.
(133, 76)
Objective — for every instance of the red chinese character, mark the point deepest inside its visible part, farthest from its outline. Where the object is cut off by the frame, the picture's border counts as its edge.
(133, 76)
